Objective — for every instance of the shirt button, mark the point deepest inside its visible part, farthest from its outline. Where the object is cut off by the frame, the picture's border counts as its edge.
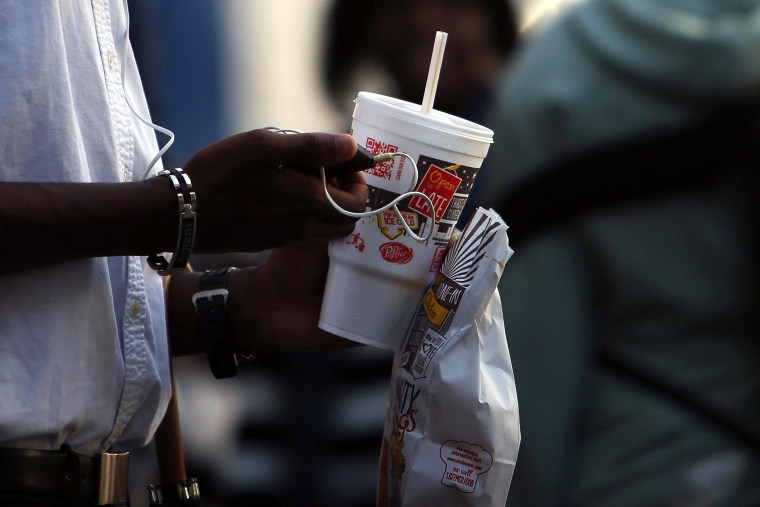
(136, 307)
(110, 61)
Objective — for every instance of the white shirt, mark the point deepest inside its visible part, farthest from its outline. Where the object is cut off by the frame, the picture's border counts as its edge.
(83, 349)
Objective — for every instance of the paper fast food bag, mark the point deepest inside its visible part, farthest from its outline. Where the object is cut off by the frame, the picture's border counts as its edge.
(452, 428)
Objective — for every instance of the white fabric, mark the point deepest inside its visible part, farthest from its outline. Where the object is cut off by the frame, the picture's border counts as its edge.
(83, 350)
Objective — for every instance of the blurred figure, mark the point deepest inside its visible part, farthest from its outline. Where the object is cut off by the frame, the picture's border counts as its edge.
(385, 47)
(626, 166)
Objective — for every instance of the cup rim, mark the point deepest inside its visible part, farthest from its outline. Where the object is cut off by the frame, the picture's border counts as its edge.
(411, 113)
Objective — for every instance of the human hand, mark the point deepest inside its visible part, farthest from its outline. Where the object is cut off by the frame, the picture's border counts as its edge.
(246, 201)
(271, 306)
(276, 305)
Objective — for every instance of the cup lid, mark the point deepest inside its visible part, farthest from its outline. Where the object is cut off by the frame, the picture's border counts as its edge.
(411, 114)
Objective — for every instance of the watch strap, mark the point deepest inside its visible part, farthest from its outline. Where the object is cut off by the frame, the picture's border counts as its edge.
(213, 322)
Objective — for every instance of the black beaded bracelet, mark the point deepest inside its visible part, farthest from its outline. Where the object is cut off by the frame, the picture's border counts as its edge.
(186, 234)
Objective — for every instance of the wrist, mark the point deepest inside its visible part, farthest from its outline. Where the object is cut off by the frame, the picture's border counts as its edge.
(215, 323)
(245, 310)
(186, 218)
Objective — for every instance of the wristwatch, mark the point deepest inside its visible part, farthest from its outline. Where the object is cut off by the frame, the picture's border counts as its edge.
(213, 322)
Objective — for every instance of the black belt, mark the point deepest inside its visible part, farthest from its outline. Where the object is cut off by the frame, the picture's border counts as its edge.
(99, 480)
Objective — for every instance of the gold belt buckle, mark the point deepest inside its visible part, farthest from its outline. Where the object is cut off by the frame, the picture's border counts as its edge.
(113, 477)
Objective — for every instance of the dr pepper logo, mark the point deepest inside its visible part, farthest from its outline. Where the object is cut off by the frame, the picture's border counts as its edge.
(396, 253)
(439, 186)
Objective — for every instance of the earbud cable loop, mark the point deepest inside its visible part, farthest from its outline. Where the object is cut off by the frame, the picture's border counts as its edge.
(393, 204)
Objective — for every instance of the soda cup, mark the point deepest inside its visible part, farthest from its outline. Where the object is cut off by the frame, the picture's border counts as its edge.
(378, 273)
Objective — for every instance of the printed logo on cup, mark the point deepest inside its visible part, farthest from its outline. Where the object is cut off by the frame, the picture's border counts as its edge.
(396, 253)
(391, 226)
(357, 241)
(447, 185)
(384, 169)
(439, 185)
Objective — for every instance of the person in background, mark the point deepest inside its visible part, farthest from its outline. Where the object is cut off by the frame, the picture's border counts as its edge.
(626, 166)
(386, 48)
(84, 356)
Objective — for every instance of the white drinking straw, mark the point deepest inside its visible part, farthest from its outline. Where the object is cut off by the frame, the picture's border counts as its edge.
(434, 72)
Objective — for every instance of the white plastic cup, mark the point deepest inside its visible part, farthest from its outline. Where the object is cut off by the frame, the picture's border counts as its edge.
(378, 274)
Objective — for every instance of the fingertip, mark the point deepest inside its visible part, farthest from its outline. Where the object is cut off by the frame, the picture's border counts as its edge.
(345, 146)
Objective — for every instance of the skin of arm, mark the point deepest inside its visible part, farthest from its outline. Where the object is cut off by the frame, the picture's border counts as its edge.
(245, 202)
(47, 223)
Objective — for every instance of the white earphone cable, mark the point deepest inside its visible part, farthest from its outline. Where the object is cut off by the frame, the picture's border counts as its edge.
(157, 128)
(393, 204)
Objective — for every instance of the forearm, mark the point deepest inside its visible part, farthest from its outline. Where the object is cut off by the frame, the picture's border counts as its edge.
(47, 223)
